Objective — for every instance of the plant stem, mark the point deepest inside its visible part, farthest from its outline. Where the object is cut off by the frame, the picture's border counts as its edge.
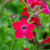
(35, 40)
(14, 43)
(2, 8)
(34, 15)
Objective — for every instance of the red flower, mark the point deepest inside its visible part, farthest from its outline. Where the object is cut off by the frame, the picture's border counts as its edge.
(46, 40)
(11, 16)
(22, 2)
(37, 9)
(46, 9)
(25, 13)
(36, 21)
(34, 3)
(23, 29)
(25, 49)
(25, 9)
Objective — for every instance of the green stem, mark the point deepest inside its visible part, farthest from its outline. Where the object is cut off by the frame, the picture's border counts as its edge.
(34, 15)
(12, 33)
(14, 43)
(35, 40)
(2, 8)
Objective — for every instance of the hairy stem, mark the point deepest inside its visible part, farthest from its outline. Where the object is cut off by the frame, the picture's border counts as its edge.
(35, 40)
(2, 8)
(34, 15)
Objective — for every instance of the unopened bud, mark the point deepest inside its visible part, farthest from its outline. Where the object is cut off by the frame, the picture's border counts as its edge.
(26, 1)
(11, 16)
(15, 16)
(34, 33)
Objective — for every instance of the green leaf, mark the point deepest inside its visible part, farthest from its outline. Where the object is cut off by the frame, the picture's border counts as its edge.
(4, 47)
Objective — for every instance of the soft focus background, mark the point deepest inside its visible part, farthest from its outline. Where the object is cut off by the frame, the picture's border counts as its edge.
(7, 33)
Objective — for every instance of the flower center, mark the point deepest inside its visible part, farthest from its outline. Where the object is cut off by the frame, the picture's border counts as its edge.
(24, 27)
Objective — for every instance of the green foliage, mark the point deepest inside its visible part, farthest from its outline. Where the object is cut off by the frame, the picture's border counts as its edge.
(7, 33)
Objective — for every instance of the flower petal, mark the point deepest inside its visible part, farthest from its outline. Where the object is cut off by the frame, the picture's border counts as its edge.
(25, 14)
(30, 1)
(44, 5)
(49, 13)
(23, 21)
(31, 27)
(48, 38)
(29, 35)
(35, 19)
(25, 9)
(25, 49)
(45, 41)
(38, 24)
(33, 4)
(16, 25)
(18, 34)
(46, 10)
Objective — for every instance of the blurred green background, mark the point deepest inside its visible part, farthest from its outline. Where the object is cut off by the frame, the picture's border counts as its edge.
(7, 33)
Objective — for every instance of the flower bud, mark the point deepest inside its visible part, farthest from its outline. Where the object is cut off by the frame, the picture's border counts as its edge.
(15, 16)
(11, 16)
(34, 33)
(26, 1)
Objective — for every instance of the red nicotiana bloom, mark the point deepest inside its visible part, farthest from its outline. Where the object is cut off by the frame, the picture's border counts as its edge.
(23, 29)
(25, 9)
(46, 40)
(37, 9)
(25, 49)
(25, 13)
(46, 9)
(36, 21)
(34, 3)
(11, 16)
